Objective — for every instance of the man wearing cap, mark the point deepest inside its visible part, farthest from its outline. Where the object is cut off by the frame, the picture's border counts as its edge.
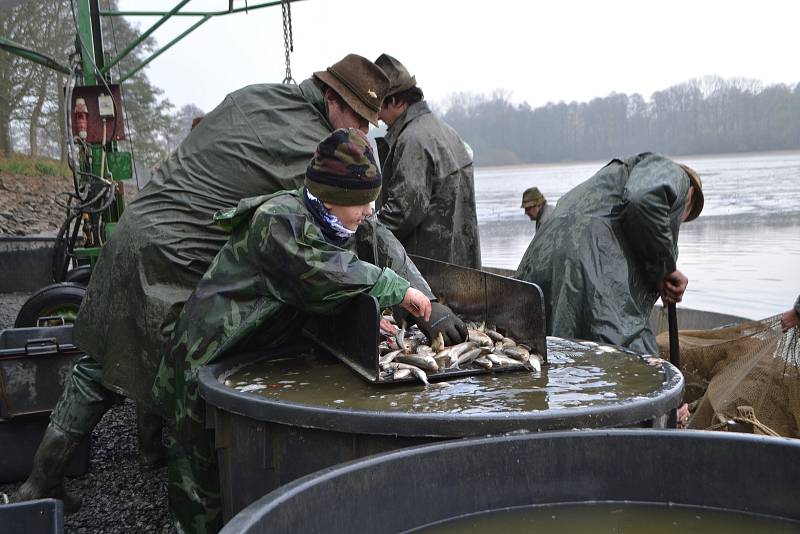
(290, 255)
(610, 248)
(428, 198)
(536, 206)
(257, 141)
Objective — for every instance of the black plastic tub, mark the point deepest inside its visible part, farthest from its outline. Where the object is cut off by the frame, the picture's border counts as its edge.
(420, 486)
(45, 516)
(264, 443)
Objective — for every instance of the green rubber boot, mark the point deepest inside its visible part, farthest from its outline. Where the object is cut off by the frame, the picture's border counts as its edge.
(152, 454)
(47, 476)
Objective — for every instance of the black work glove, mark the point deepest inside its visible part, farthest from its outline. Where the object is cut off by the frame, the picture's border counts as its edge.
(442, 320)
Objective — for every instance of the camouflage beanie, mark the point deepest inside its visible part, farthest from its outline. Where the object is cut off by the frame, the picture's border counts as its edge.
(343, 170)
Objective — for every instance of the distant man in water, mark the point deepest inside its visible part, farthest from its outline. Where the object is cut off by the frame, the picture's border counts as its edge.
(536, 206)
(609, 251)
(428, 197)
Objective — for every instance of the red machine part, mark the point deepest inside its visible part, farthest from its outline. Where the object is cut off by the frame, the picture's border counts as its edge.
(81, 117)
(89, 94)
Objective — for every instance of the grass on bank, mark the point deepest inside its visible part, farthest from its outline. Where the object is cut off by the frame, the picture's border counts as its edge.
(30, 166)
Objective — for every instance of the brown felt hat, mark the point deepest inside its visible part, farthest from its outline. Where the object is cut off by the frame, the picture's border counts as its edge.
(697, 199)
(399, 78)
(360, 83)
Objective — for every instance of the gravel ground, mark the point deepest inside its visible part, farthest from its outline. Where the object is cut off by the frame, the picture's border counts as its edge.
(117, 496)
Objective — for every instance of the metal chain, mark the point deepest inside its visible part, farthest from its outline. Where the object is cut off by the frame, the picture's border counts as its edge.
(288, 41)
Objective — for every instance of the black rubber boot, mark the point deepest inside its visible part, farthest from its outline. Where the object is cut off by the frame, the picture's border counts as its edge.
(152, 453)
(47, 476)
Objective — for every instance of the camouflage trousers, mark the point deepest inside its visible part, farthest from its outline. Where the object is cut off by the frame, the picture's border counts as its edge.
(194, 491)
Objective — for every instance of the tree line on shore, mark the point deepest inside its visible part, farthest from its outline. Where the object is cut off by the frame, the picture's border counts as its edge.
(701, 116)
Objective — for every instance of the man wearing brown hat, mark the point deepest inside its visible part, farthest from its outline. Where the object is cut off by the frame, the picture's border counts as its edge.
(428, 197)
(257, 141)
(536, 206)
(610, 250)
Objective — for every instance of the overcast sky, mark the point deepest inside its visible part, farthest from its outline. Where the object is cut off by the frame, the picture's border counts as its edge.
(539, 51)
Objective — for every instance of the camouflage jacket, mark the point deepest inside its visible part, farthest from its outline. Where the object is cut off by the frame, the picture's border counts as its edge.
(428, 195)
(276, 269)
(607, 243)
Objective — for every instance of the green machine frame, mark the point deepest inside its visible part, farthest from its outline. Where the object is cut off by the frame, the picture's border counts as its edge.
(104, 162)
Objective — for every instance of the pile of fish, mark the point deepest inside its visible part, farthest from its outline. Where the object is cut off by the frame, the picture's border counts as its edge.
(407, 353)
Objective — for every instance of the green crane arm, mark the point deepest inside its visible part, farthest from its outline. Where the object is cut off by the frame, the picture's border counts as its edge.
(37, 57)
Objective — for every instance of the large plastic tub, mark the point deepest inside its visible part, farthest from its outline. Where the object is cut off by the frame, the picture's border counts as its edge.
(45, 516)
(34, 365)
(263, 442)
(420, 486)
(26, 263)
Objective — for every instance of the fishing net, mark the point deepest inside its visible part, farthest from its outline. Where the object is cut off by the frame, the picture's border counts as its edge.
(747, 375)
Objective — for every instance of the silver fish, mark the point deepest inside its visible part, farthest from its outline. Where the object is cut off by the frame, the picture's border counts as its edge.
(483, 362)
(495, 336)
(427, 363)
(467, 357)
(388, 357)
(438, 343)
(518, 353)
(480, 338)
(535, 362)
(401, 373)
(508, 342)
(400, 336)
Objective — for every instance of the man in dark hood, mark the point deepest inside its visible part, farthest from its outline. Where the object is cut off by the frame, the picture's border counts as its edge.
(610, 248)
(428, 198)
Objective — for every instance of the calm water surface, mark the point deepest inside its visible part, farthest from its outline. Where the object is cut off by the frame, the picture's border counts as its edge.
(742, 255)
(574, 377)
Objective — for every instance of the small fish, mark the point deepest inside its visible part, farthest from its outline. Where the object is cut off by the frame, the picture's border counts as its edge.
(425, 350)
(427, 363)
(480, 338)
(483, 362)
(389, 357)
(495, 336)
(508, 342)
(467, 357)
(400, 336)
(438, 343)
(535, 362)
(495, 359)
(419, 373)
(518, 353)
(383, 347)
(461, 348)
(401, 373)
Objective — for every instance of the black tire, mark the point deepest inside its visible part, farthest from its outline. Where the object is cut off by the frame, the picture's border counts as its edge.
(79, 275)
(56, 300)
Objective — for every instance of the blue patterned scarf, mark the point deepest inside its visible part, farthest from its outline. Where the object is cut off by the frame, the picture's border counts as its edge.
(332, 229)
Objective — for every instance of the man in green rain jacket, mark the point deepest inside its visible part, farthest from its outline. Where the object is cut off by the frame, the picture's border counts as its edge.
(428, 199)
(610, 249)
(290, 255)
(257, 141)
